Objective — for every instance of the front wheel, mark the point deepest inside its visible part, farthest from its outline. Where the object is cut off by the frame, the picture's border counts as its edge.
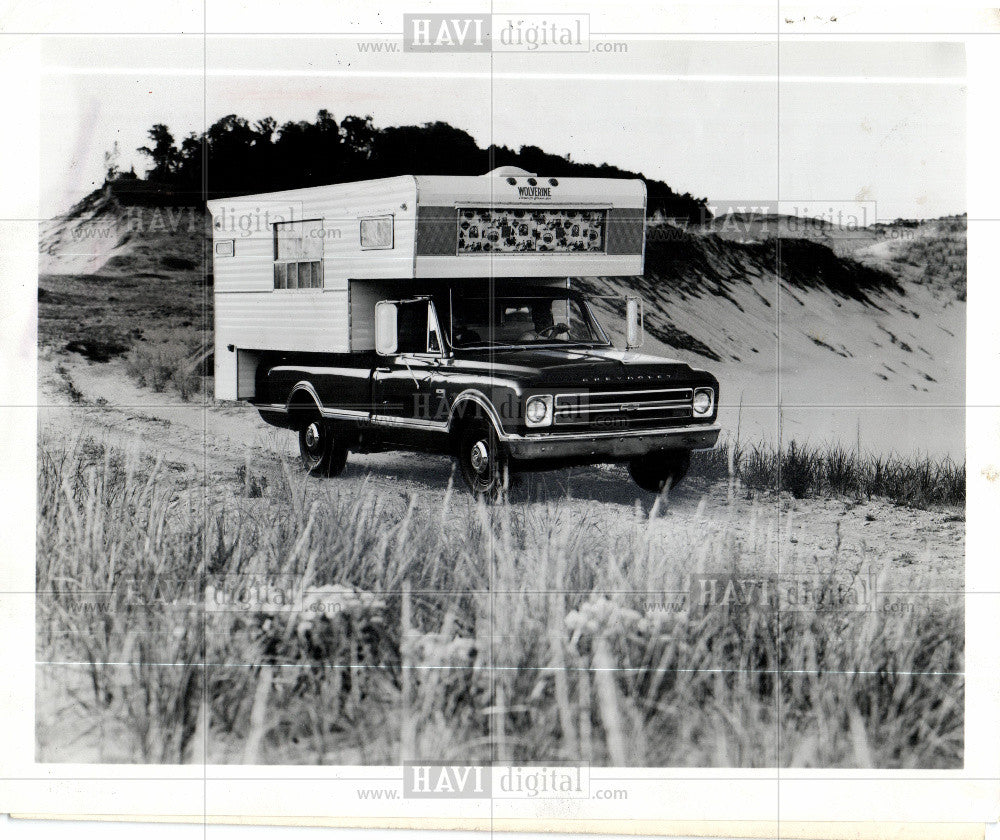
(321, 452)
(483, 461)
(657, 471)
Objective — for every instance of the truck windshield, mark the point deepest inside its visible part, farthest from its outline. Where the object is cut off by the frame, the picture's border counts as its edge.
(523, 320)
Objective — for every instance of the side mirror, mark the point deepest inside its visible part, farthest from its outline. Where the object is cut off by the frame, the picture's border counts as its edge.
(633, 323)
(386, 328)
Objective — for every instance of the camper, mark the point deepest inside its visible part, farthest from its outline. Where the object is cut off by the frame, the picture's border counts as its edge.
(440, 314)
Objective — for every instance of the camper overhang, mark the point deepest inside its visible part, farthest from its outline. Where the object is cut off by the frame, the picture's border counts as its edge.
(517, 224)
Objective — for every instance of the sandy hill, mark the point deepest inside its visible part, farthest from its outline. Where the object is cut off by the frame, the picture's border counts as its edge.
(119, 230)
(871, 346)
(118, 267)
(930, 253)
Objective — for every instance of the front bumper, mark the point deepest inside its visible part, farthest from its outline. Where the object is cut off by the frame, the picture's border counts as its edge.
(610, 445)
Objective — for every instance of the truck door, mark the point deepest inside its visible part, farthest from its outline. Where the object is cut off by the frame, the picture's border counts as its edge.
(406, 387)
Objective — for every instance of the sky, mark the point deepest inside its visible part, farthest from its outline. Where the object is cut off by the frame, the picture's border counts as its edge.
(729, 120)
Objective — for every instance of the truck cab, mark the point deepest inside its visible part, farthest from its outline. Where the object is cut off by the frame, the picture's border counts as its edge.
(506, 371)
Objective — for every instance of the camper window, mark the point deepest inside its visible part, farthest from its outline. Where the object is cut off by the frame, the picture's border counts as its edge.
(298, 254)
(376, 233)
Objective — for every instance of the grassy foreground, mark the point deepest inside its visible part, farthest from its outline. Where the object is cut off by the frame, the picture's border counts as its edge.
(300, 621)
(919, 481)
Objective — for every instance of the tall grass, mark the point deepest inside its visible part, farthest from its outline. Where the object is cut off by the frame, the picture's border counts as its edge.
(918, 481)
(446, 630)
(168, 357)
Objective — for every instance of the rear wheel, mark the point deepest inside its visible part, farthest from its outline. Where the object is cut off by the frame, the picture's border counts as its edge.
(483, 461)
(321, 452)
(663, 469)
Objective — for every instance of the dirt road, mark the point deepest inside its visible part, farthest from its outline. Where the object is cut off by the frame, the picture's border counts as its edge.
(917, 550)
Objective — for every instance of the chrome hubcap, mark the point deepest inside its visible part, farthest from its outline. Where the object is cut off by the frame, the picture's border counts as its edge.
(480, 457)
(312, 435)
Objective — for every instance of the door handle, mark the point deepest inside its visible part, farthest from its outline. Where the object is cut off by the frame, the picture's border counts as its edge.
(382, 370)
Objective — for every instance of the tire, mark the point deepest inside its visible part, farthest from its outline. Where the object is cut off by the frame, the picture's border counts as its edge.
(483, 461)
(321, 452)
(657, 471)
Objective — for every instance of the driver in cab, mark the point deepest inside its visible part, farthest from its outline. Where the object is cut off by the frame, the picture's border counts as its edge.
(544, 323)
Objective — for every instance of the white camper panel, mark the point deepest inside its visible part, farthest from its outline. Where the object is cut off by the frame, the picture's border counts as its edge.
(518, 265)
(495, 187)
(251, 314)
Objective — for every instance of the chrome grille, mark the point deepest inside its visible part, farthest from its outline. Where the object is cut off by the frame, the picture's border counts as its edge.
(624, 409)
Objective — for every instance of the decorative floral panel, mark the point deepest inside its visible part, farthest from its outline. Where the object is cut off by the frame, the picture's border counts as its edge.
(509, 230)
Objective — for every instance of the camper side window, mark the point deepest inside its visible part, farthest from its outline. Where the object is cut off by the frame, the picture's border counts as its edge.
(298, 254)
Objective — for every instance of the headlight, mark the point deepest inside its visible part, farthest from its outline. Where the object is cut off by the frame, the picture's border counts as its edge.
(538, 410)
(703, 399)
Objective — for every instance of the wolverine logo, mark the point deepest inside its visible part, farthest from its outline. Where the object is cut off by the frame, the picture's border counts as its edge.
(534, 192)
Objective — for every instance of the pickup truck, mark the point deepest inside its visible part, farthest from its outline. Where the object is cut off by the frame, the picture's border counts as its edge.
(517, 378)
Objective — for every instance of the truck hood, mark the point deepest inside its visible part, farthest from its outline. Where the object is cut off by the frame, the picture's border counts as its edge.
(592, 366)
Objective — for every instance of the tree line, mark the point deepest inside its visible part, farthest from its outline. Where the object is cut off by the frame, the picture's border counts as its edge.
(234, 157)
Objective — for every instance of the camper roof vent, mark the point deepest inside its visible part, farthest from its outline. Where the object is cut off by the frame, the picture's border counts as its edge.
(504, 171)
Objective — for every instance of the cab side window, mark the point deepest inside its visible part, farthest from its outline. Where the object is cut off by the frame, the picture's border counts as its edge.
(412, 327)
